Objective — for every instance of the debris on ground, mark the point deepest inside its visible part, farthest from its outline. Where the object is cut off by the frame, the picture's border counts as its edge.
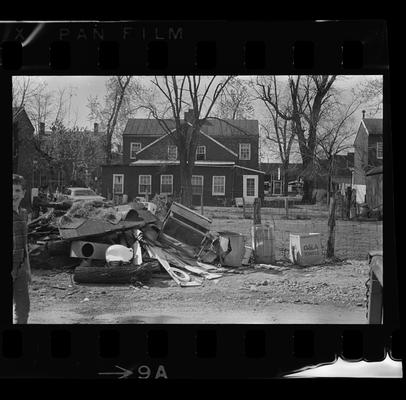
(128, 244)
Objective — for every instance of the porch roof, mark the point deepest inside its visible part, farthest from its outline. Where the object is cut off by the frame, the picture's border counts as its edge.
(140, 163)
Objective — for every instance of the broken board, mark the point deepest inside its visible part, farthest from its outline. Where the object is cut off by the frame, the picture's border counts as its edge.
(158, 254)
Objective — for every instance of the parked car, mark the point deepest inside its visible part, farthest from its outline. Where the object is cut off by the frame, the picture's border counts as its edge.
(80, 193)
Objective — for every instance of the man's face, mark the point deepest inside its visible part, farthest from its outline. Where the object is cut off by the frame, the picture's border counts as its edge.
(18, 195)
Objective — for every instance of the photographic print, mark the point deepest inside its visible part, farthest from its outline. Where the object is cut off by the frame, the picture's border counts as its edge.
(198, 199)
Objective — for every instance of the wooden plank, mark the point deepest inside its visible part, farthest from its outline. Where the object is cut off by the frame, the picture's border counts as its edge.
(155, 252)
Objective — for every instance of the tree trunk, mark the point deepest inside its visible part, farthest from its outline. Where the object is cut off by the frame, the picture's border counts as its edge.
(186, 185)
(108, 149)
(285, 181)
(307, 191)
(308, 180)
(348, 202)
(331, 225)
(329, 188)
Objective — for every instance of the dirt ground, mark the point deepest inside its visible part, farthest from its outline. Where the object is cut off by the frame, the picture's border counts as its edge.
(332, 293)
(328, 294)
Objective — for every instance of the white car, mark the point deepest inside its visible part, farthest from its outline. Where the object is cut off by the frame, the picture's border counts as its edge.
(80, 193)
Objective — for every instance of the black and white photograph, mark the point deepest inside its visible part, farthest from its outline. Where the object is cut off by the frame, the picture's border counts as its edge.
(198, 199)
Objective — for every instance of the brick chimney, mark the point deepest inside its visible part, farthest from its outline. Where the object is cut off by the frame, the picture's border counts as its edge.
(41, 129)
(363, 114)
(96, 127)
(189, 116)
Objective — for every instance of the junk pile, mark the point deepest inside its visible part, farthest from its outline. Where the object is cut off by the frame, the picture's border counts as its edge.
(129, 244)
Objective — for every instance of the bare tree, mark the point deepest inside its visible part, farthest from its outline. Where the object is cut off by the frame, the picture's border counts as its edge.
(235, 101)
(121, 91)
(308, 102)
(74, 151)
(310, 96)
(178, 93)
(24, 89)
(336, 135)
(370, 92)
(278, 128)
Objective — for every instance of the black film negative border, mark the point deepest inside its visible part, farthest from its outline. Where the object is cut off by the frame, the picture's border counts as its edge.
(195, 351)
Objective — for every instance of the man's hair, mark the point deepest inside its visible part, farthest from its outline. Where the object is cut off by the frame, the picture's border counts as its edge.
(19, 180)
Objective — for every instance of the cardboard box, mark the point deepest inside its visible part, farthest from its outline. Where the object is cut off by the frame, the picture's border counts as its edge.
(305, 249)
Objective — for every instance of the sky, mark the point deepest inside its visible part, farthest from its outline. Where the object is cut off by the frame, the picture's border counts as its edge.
(81, 88)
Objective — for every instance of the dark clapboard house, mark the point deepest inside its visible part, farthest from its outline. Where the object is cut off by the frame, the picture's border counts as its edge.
(226, 164)
(368, 147)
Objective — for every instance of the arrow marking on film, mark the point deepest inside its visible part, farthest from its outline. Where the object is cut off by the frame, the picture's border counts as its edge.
(125, 372)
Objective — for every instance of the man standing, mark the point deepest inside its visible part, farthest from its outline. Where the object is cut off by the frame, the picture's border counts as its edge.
(21, 267)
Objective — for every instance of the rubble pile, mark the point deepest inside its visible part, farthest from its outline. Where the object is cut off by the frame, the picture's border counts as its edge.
(129, 244)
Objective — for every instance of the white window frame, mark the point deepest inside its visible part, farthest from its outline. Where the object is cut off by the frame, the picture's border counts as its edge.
(139, 184)
(241, 145)
(377, 150)
(131, 149)
(176, 157)
(280, 187)
(224, 186)
(202, 185)
(122, 184)
(197, 152)
(161, 191)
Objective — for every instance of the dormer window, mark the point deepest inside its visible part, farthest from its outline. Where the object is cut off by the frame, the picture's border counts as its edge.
(245, 151)
(134, 149)
(172, 152)
(201, 153)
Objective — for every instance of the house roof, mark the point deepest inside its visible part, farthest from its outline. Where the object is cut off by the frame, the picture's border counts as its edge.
(145, 163)
(374, 126)
(177, 162)
(150, 127)
(18, 111)
(212, 127)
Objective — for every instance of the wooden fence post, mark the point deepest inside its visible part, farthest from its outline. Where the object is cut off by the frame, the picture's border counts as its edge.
(243, 207)
(331, 225)
(348, 194)
(286, 208)
(257, 211)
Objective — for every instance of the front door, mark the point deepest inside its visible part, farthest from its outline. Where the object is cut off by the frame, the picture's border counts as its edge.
(250, 187)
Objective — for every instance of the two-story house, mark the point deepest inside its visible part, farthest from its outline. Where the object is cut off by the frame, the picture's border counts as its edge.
(226, 163)
(368, 152)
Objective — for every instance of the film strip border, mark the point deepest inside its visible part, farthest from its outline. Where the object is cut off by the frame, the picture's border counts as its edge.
(188, 352)
(195, 47)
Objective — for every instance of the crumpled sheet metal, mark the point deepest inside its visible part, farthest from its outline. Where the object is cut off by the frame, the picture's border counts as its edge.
(93, 227)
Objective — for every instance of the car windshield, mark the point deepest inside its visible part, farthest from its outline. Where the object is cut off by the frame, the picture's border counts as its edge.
(84, 192)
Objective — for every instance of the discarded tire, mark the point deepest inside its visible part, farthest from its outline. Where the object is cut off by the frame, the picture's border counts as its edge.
(120, 274)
